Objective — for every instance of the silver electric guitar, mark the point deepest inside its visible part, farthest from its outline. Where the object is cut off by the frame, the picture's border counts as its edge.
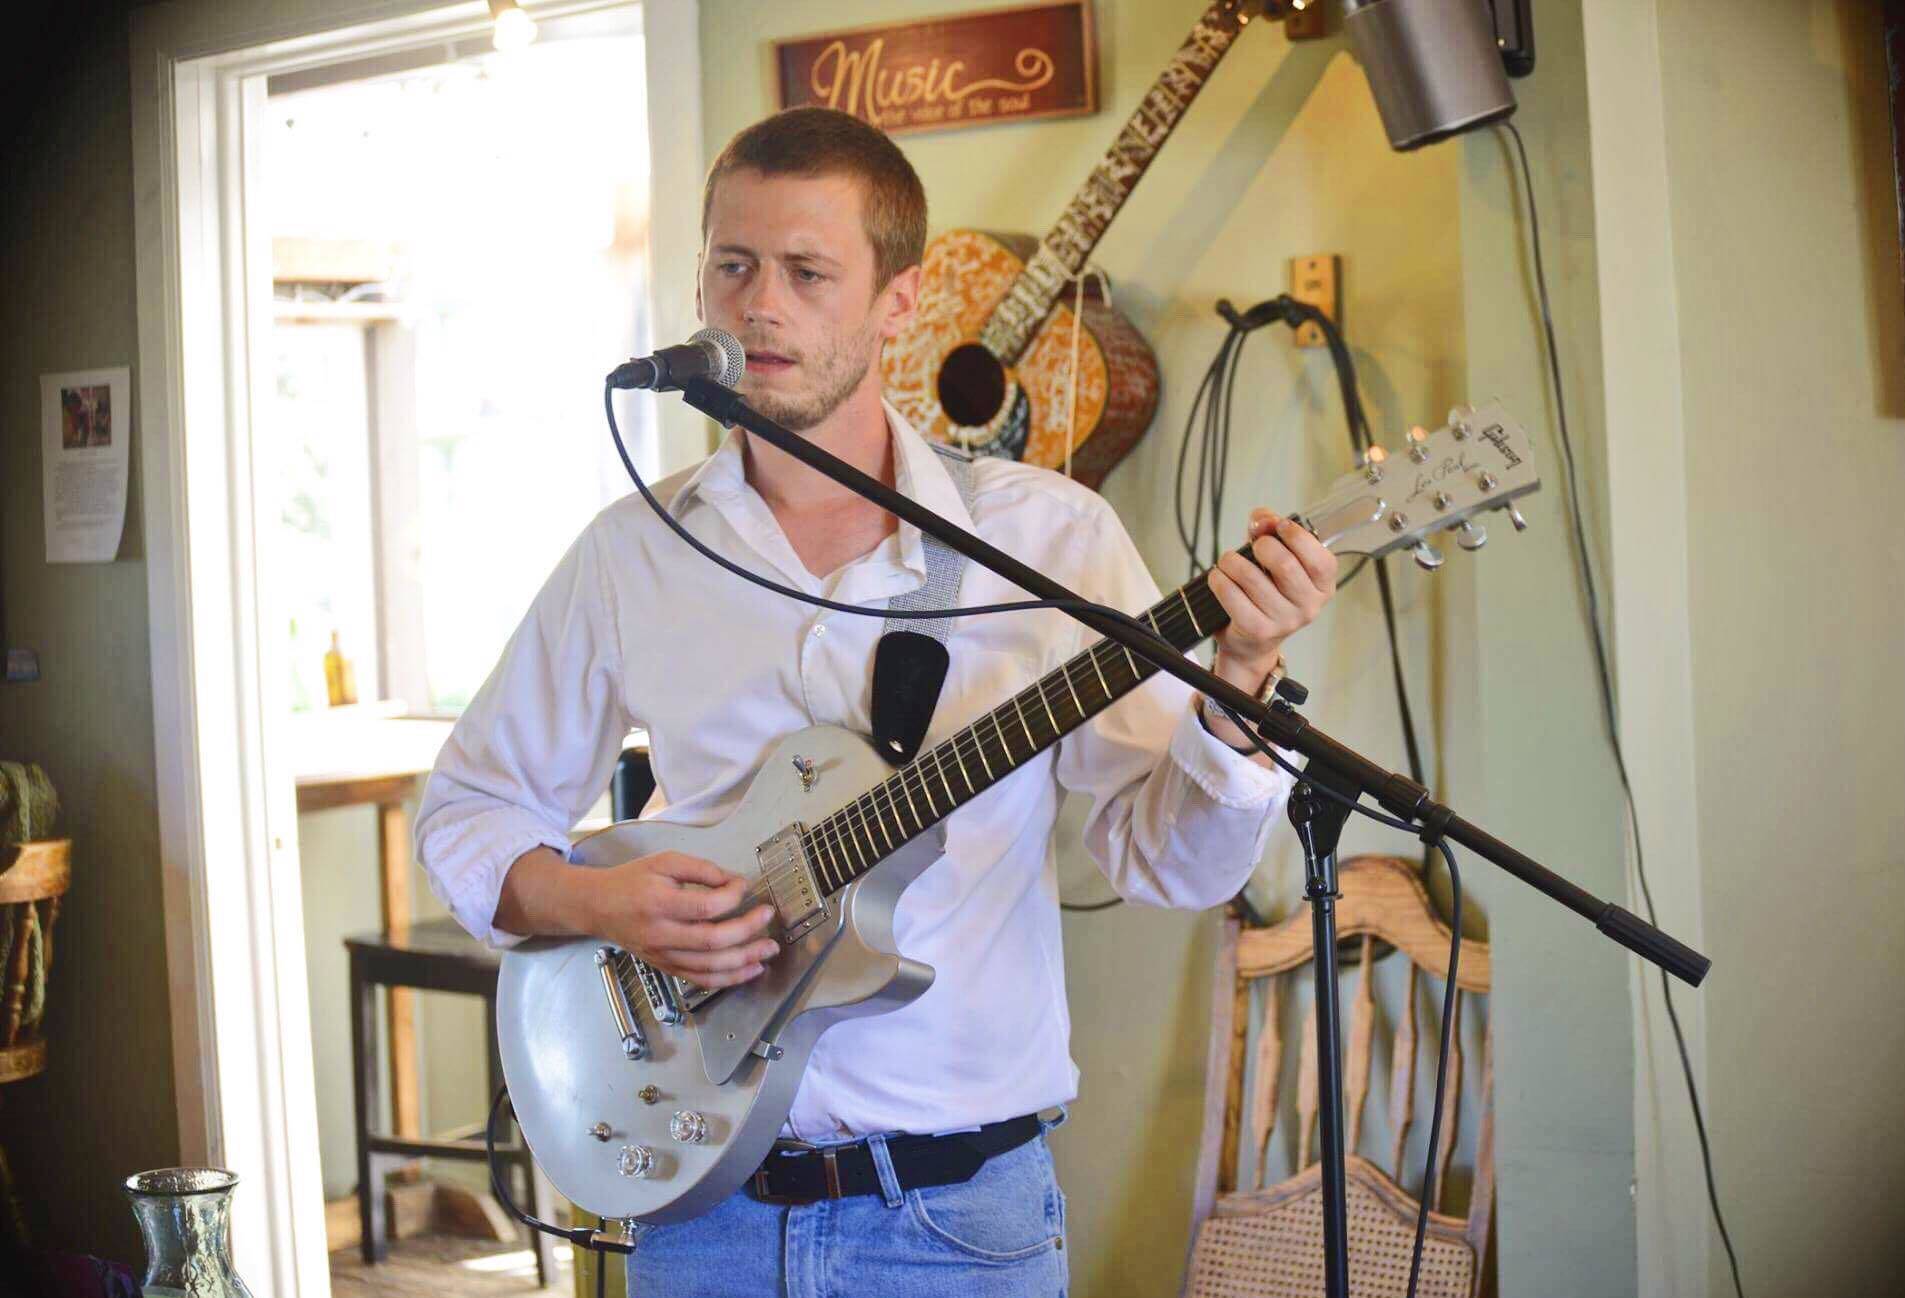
(645, 1097)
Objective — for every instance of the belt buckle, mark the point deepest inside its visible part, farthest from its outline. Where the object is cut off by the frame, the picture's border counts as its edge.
(830, 1164)
(757, 1186)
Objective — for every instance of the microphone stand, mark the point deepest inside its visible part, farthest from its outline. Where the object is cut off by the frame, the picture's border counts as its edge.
(1317, 818)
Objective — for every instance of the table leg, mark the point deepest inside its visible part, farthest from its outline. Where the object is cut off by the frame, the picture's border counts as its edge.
(394, 831)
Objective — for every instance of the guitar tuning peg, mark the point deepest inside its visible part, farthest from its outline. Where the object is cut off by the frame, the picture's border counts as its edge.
(1428, 557)
(1372, 463)
(1471, 535)
(1514, 516)
(1418, 443)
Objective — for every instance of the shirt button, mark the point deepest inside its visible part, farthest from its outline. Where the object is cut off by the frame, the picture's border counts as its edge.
(819, 629)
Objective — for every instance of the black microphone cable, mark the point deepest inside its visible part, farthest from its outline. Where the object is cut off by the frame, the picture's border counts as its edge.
(1214, 399)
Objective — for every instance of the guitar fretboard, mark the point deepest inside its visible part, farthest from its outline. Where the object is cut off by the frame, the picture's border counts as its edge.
(1063, 252)
(863, 833)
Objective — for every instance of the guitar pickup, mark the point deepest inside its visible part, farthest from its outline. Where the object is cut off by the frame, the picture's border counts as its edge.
(799, 904)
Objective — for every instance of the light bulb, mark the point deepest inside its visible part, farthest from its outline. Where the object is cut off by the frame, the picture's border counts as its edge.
(514, 29)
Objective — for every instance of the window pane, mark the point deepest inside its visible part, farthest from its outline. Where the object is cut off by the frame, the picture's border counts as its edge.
(496, 208)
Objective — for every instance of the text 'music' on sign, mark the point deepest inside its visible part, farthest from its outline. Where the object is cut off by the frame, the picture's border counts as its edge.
(975, 69)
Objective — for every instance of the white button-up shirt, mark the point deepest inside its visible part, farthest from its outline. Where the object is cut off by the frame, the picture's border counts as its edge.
(633, 630)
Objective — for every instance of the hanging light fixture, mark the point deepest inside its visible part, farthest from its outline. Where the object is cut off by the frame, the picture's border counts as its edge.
(514, 28)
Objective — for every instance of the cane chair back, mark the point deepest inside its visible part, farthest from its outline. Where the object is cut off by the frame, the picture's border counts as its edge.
(1258, 1241)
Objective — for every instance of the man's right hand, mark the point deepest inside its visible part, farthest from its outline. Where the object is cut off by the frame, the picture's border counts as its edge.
(668, 909)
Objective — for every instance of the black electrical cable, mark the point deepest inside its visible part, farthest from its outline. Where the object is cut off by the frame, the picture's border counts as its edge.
(859, 610)
(1219, 383)
(1441, 1059)
(580, 1236)
(1605, 679)
(1360, 440)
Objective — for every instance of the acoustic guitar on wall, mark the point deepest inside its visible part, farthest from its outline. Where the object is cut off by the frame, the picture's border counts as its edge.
(987, 363)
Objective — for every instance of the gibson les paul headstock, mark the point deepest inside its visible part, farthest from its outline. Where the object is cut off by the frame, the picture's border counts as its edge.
(1479, 460)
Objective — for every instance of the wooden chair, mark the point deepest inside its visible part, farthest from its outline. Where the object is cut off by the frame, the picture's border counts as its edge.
(1256, 1242)
(34, 878)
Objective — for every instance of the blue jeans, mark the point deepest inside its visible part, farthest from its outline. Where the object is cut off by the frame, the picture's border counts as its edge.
(999, 1235)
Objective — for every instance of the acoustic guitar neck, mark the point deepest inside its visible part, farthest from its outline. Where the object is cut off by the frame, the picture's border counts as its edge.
(1063, 252)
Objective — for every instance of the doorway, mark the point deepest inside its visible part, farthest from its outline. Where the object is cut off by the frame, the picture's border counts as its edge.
(358, 344)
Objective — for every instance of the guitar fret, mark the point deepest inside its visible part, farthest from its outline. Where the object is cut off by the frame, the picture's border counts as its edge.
(980, 746)
(1039, 685)
(918, 824)
(939, 760)
(843, 866)
(854, 843)
(1066, 672)
(817, 851)
(999, 730)
(1024, 724)
(878, 820)
(958, 757)
(1092, 653)
(926, 786)
(890, 815)
(1190, 613)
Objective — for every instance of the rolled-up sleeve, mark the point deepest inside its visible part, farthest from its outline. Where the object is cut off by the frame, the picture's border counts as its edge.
(534, 748)
(1177, 817)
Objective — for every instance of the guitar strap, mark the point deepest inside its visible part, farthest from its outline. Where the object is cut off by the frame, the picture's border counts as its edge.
(909, 666)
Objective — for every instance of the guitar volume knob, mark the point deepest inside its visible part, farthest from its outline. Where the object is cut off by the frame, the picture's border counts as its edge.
(688, 1127)
(635, 1161)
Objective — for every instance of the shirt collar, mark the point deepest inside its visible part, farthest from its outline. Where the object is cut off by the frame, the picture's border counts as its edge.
(919, 472)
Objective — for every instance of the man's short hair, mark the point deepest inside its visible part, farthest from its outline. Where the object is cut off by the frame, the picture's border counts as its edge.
(828, 142)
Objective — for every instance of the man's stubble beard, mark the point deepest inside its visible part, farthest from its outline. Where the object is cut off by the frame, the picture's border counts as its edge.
(837, 373)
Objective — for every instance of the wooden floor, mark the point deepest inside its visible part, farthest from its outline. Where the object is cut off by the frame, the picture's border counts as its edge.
(431, 1266)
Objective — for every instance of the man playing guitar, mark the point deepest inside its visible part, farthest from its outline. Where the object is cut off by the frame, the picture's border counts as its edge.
(813, 225)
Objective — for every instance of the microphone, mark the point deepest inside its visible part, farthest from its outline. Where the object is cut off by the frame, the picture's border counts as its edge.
(711, 354)
(1433, 66)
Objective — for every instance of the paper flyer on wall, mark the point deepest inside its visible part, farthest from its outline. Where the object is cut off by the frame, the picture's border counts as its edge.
(85, 431)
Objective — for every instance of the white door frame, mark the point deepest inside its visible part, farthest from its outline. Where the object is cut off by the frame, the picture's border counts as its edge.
(241, 1037)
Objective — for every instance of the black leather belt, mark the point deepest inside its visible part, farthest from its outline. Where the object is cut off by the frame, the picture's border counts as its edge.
(797, 1173)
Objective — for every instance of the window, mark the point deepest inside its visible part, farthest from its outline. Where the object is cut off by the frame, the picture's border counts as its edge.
(457, 261)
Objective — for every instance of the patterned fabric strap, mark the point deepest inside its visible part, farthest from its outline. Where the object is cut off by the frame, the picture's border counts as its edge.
(945, 566)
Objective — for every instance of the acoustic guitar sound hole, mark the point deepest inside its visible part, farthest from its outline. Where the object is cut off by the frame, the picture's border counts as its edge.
(971, 385)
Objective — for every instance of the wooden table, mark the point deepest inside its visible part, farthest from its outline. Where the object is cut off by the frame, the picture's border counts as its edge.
(368, 754)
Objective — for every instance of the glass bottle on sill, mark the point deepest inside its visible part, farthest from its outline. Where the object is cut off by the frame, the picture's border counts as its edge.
(185, 1216)
(340, 676)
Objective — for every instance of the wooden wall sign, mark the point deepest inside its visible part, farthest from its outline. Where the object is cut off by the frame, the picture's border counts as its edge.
(965, 70)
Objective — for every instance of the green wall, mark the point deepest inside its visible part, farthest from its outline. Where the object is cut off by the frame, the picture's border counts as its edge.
(1792, 345)
(104, 1108)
